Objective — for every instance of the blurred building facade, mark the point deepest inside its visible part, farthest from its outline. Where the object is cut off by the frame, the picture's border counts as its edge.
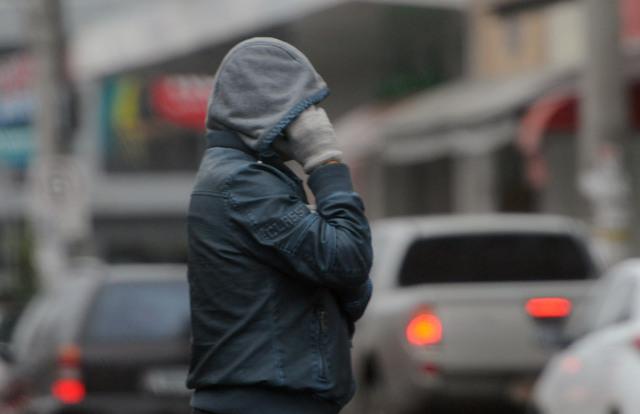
(441, 106)
(143, 75)
(454, 149)
(503, 138)
(147, 153)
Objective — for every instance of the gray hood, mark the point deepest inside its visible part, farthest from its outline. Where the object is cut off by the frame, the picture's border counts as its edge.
(262, 85)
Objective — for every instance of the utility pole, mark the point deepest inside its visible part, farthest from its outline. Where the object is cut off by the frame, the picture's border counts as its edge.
(604, 146)
(53, 214)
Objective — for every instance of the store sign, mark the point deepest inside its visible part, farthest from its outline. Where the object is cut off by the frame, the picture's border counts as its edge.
(16, 146)
(182, 99)
(17, 104)
(17, 108)
(153, 124)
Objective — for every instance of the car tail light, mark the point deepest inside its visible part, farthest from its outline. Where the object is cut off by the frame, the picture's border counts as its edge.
(68, 391)
(68, 388)
(546, 308)
(425, 328)
(636, 342)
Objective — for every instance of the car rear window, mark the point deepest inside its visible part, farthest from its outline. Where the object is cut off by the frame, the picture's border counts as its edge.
(139, 312)
(495, 258)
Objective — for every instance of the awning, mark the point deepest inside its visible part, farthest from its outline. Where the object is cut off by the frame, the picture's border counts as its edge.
(165, 30)
(155, 31)
(559, 112)
(449, 4)
(482, 139)
(469, 103)
(464, 117)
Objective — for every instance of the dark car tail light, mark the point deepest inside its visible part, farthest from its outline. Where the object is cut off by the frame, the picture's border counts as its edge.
(69, 388)
(548, 308)
(425, 328)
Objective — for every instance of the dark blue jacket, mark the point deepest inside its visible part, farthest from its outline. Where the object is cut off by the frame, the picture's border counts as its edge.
(275, 285)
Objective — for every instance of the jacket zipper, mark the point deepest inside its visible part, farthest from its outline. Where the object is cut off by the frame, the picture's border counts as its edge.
(322, 322)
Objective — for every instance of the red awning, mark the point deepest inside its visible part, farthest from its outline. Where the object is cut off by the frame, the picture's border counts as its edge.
(554, 112)
(558, 112)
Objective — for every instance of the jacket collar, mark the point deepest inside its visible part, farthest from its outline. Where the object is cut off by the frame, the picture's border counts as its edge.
(228, 139)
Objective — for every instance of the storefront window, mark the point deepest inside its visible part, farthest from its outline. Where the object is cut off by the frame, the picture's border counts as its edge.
(153, 125)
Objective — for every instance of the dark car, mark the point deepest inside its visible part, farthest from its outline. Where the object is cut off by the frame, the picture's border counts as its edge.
(118, 343)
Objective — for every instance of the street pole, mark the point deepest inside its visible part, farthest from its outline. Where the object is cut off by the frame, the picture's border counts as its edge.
(52, 139)
(604, 177)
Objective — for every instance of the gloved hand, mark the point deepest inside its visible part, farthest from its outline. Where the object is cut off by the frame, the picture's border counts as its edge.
(311, 139)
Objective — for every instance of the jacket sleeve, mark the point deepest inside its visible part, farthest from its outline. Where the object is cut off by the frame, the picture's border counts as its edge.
(354, 301)
(330, 247)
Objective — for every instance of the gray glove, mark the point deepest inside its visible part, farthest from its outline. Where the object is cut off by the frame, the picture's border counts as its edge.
(312, 140)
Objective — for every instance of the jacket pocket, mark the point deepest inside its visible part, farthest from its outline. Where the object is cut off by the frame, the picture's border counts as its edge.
(332, 353)
(320, 337)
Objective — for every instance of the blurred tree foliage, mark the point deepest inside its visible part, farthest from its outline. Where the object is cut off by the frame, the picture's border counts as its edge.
(425, 47)
(402, 84)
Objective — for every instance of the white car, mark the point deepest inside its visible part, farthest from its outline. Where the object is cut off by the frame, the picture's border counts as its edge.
(600, 372)
(465, 308)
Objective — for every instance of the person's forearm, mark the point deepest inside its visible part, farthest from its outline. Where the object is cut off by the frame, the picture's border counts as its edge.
(340, 207)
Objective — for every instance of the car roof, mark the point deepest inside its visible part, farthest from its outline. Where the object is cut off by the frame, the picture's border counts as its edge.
(626, 268)
(481, 223)
(73, 297)
(88, 278)
(135, 272)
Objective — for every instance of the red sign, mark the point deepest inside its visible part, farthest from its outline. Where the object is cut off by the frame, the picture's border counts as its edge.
(630, 16)
(182, 99)
(16, 73)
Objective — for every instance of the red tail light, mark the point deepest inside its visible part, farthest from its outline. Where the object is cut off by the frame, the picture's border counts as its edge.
(69, 388)
(424, 329)
(68, 391)
(544, 308)
(636, 342)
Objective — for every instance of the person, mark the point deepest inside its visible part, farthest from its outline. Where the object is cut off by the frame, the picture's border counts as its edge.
(276, 284)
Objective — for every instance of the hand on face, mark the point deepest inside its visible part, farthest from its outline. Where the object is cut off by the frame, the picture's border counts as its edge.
(310, 140)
